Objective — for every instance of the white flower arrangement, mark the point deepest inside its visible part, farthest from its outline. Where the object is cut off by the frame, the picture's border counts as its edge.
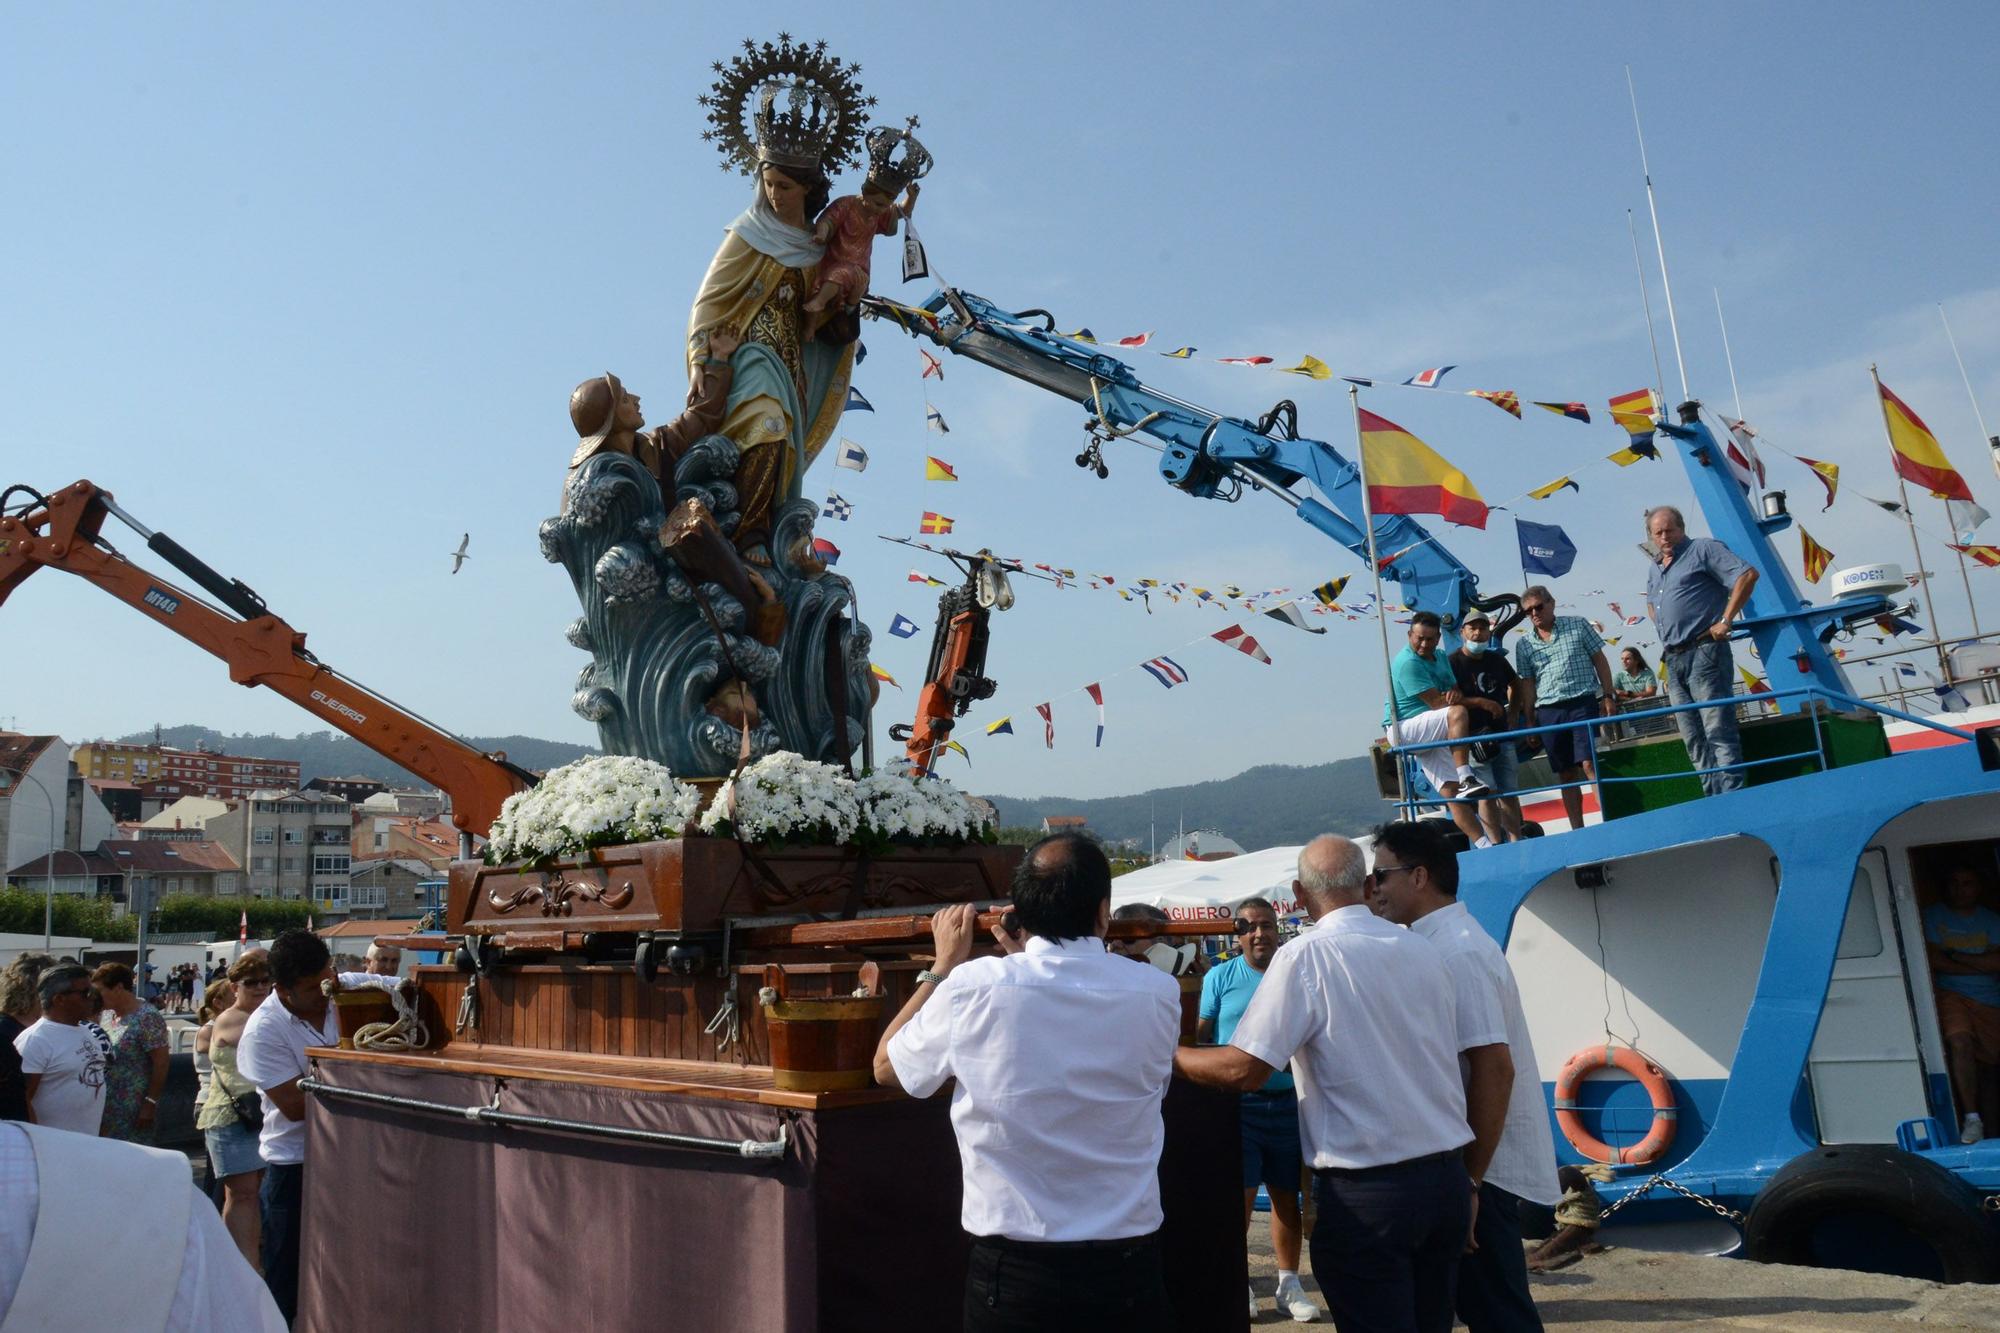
(786, 797)
(592, 802)
(898, 807)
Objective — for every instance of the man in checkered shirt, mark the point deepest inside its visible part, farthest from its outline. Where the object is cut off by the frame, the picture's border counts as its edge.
(1560, 660)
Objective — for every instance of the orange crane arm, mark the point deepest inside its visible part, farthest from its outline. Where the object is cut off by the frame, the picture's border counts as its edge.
(258, 646)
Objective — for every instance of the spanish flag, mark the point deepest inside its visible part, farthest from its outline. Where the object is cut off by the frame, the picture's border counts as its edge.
(936, 469)
(934, 523)
(1815, 556)
(1917, 455)
(1405, 476)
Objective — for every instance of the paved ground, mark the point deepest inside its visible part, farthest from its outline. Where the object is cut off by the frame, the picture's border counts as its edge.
(1623, 1289)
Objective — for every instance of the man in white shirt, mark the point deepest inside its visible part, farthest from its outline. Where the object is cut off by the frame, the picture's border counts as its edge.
(1512, 1155)
(180, 1273)
(1366, 1014)
(1061, 1053)
(272, 1054)
(64, 1054)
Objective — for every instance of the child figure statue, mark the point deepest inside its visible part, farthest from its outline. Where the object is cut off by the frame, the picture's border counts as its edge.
(850, 224)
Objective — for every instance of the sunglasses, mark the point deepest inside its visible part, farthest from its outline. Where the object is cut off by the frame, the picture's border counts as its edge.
(1379, 873)
(1245, 926)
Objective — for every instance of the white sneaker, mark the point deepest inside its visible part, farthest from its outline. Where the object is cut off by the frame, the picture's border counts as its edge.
(1292, 1299)
(1253, 1301)
(1974, 1129)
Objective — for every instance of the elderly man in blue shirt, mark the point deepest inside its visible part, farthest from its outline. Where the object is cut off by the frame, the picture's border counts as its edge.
(1696, 587)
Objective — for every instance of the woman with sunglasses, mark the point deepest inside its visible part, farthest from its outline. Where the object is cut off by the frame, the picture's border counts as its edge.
(230, 1118)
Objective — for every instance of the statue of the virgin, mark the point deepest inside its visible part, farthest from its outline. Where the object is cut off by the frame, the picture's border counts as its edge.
(789, 117)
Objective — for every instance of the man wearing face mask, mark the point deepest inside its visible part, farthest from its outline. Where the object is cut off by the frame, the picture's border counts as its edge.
(1492, 693)
(1270, 1114)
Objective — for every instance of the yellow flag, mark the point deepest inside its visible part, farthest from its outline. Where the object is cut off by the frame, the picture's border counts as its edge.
(1815, 557)
(1625, 457)
(1544, 492)
(1311, 367)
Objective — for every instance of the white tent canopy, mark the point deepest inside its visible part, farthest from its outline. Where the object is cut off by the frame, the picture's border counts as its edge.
(1210, 890)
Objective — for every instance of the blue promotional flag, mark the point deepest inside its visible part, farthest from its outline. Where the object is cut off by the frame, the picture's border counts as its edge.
(1545, 548)
(903, 627)
(855, 402)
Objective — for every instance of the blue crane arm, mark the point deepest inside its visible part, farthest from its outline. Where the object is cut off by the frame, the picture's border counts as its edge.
(1203, 453)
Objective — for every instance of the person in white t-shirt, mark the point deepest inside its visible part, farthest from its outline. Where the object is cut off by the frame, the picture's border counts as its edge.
(1512, 1155)
(1061, 1054)
(64, 1055)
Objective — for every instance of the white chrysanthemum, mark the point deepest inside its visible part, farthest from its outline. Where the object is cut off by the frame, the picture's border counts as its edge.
(594, 801)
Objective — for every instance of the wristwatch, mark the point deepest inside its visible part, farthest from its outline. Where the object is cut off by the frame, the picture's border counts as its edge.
(930, 976)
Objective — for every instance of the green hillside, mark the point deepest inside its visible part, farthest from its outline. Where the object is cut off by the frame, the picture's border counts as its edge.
(1268, 806)
(1271, 805)
(327, 754)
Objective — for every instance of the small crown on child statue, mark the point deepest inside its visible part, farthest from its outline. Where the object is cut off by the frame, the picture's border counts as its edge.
(803, 108)
(887, 173)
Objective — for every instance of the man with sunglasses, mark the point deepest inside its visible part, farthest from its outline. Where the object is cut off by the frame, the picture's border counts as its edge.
(1269, 1115)
(1364, 1012)
(64, 1055)
(1561, 664)
(1512, 1155)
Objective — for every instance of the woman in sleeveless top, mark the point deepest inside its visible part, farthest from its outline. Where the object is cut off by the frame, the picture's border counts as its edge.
(232, 1143)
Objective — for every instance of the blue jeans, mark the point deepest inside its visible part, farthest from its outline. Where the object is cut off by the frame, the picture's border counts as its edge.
(281, 1202)
(1707, 671)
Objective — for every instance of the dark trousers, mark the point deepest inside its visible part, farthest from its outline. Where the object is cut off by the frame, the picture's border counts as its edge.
(279, 1199)
(1386, 1246)
(1014, 1286)
(1493, 1280)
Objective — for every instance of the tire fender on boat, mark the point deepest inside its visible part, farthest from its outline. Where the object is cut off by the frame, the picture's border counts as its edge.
(1651, 1077)
(1926, 1200)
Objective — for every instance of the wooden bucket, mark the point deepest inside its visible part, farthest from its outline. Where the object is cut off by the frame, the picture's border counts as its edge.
(823, 1044)
(1190, 1007)
(359, 1007)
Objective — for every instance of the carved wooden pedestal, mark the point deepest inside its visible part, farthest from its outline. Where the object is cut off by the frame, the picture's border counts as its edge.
(688, 886)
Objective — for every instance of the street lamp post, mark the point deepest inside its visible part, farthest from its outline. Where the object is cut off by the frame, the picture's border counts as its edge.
(49, 863)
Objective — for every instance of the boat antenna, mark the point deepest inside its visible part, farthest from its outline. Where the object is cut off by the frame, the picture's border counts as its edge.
(1646, 300)
(1992, 445)
(1652, 206)
(1727, 355)
(1992, 441)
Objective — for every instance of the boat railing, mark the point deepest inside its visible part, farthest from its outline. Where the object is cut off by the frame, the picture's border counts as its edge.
(1841, 701)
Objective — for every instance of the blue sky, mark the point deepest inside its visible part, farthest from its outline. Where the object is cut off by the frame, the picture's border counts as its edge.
(309, 290)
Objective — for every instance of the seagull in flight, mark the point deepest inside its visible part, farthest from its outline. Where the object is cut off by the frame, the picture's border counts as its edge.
(459, 556)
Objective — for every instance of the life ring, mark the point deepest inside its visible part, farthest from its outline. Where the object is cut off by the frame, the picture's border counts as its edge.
(1650, 1076)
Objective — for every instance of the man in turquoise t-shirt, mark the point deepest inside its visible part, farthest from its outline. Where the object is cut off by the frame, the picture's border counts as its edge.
(1962, 940)
(1425, 705)
(1270, 1115)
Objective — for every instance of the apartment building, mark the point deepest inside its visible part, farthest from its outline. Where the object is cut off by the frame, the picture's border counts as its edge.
(291, 844)
(229, 777)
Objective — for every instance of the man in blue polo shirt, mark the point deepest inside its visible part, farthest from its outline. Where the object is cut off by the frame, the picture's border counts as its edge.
(1425, 704)
(1694, 590)
(1270, 1115)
